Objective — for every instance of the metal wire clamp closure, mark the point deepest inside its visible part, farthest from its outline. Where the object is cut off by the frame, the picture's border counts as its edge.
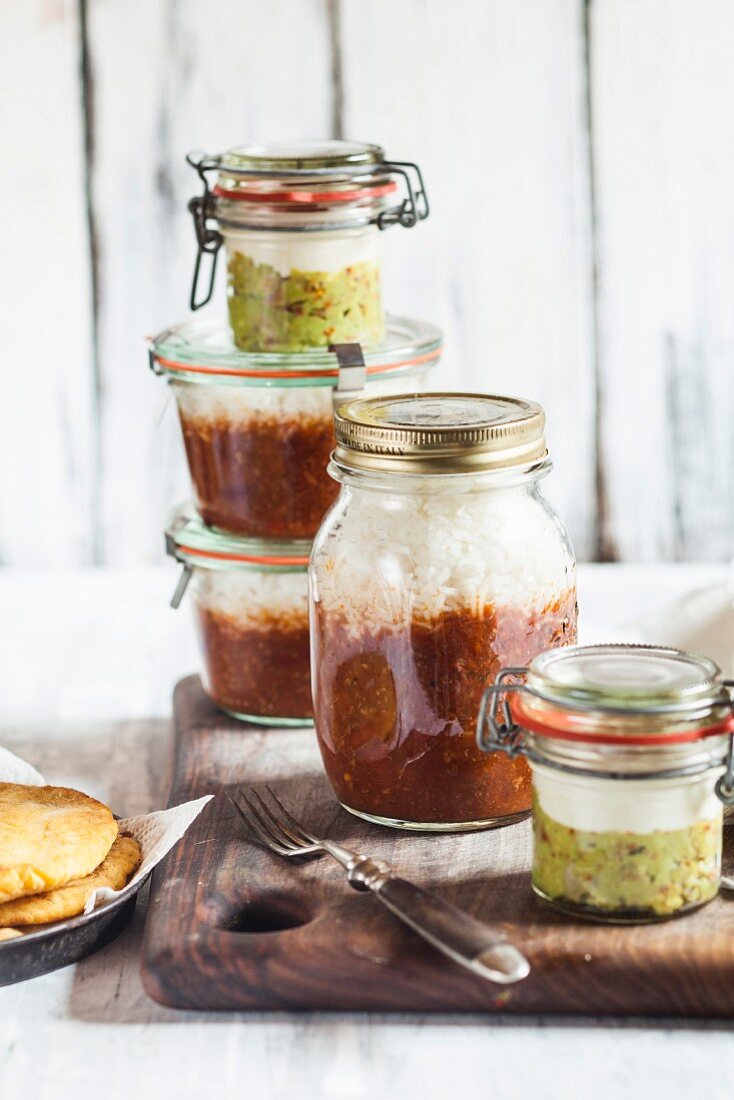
(504, 736)
(725, 784)
(208, 239)
(150, 343)
(414, 208)
(507, 737)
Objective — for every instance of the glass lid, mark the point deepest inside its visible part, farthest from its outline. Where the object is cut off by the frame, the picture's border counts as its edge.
(190, 541)
(441, 432)
(291, 158)
(204, 351)
(624, 677)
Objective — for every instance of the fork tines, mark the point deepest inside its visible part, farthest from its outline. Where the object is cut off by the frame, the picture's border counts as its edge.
(271, 823)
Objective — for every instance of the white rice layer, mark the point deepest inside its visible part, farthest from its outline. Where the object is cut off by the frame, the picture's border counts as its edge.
(253, 600)
(393, 558)
(321, 251)
(244, 404)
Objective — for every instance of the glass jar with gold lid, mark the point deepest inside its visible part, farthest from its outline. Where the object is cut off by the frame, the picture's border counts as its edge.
(630, 752)
(301, 223)
(439, 562)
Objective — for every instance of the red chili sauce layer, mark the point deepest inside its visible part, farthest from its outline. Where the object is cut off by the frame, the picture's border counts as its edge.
(396, 710)
(265, 478)
(261, 671)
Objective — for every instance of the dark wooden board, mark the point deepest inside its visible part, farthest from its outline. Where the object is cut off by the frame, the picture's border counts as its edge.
(231, 926)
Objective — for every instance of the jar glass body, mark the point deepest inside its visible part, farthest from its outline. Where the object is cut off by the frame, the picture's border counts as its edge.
(292, 289)
(252, 627)
(258, 454)
(422, 587)
(626, 850)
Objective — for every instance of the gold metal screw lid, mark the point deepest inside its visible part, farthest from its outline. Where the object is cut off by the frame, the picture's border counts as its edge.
(441, 433)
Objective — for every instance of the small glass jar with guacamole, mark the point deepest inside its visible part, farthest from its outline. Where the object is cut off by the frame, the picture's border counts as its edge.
(630, 749)
(301, 223)
(258, 429)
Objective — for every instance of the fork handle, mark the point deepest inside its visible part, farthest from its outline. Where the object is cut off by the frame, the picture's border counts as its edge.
(462, 938)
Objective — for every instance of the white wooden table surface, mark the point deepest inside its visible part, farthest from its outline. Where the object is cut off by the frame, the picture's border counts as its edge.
(87, 662)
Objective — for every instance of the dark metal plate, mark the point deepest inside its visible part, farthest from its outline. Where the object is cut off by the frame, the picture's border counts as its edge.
(64, 942)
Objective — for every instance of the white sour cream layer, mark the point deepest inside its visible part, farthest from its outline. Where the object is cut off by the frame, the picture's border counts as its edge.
(320, 251)
(598, 805)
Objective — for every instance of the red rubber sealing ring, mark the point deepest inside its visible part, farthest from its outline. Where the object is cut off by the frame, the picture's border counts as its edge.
(679, 737)
(307, 197)
(255, 560)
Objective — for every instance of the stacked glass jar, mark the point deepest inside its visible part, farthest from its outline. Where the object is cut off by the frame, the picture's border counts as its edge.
(302, 225)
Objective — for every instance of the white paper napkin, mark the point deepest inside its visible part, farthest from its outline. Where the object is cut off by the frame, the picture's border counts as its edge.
(15, 770)
(156, 833)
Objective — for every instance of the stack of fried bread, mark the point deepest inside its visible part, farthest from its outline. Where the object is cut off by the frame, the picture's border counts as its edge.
(57, 846)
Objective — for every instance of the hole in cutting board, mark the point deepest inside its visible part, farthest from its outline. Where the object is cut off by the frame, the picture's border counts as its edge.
(266, 914)
(262, 917)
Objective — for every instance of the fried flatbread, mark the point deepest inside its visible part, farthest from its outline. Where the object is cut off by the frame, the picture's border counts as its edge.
(68, 901)
(49, 836)
(9, 933)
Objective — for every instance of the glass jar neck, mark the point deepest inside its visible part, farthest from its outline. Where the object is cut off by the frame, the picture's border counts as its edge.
(420, 484)
(633, 762)
(358, 216)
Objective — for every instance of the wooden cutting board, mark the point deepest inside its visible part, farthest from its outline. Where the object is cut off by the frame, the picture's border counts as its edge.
(231, 926)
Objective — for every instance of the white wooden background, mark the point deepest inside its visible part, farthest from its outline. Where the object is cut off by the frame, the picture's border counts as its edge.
(580, 162)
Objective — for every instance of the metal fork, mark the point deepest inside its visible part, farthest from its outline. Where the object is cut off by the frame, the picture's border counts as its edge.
(464, 939)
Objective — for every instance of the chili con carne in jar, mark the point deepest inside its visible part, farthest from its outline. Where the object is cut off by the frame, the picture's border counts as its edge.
(630, 752)
(251, 610)
(440, 562)
(258, 429)
(301, 223)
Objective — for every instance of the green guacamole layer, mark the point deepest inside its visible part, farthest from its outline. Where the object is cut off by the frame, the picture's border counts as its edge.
(304, 309)
(657, 873)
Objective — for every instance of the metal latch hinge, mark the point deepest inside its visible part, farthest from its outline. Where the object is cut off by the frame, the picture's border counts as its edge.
(208, 239)
(352, 372)
(503, 735)
(414, 206)
(725, 783)
(183, 583)
(172, 550)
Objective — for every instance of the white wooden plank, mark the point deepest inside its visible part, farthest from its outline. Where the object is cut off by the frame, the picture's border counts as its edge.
(488, 96)
(112, 649)
(663, 85)
(47, 460)
(170, 78)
